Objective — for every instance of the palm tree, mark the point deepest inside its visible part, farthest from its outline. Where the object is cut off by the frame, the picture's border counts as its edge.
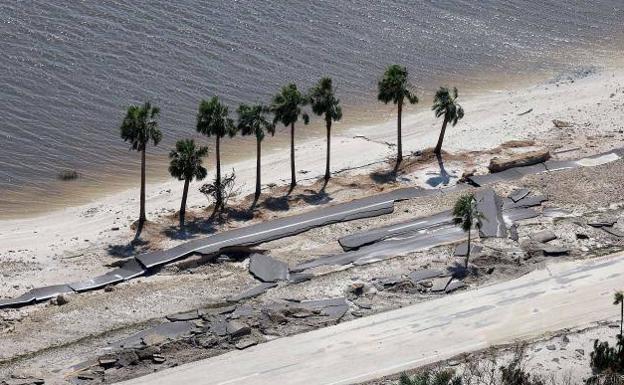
(186, 164)
(213, 120)
(286, 108)
(252, 120)
(619, 300)
(465, 214)
(139, 127)
(324, 102)
(445, 104)
(393, 87)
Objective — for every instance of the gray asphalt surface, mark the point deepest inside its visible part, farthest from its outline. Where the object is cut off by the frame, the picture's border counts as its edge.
(563, 295)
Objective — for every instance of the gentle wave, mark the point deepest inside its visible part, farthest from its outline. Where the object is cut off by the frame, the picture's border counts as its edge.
(70, 68)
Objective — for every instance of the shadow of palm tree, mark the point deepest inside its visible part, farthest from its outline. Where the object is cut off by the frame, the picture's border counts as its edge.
(192, 228)
(459, 271)
(383, 177)
(443, 178)
(277, 204)
(127, 250)
(315, 198)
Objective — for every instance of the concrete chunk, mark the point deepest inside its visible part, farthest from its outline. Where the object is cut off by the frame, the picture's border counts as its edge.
(614, 232)
(96, 283)
(49, 292)
(253, 292)
(130, 269)
(22, 300)
(237, 329)
(454, 285)
(440, 284)
(186, 316)
(268, 269)
(423, 274)
(462, 250)
(518, 194)
(518, 214)
(490, 208)
(525, 202)
(543, 236)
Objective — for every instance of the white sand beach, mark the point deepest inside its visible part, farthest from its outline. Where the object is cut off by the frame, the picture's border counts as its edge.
(69, 244)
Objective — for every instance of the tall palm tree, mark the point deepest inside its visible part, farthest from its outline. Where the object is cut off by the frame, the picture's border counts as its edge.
(465, 215)
(139, 127)
(186, 164)
(619, 300)
(286, 108)
(393, 87)
(445, 104)
(324, 102)
(213, 120)
(252, 120)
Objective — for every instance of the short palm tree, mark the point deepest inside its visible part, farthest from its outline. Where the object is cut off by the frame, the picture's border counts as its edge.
(286, 109)
(619, 300)
(213, 120)
(252, 120)
(139, 127)
(186, 164)
(445, 104)
(393, 87)
(465, 215)
(324, 102)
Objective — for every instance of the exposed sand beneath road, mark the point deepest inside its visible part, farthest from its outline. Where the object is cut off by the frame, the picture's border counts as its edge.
(71, 244)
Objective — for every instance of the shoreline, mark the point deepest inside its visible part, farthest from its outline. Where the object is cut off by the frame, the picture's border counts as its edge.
(90, 188)
(491, 119)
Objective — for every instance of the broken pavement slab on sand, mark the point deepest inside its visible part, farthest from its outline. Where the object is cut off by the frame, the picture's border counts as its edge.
(544, 236)
(518, 194)
(489, 205)
(97, 282)
(267, 269)
(252, 292)
(462, 250)
(424, 274)
(356, 240)
(167, 330)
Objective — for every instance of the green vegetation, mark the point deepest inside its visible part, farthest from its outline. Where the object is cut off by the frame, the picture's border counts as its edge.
(286, 108)
(445, 104)
(213, 120)
(324, 103)
(186, 164)
(252, 120)
(465, 215)
(140, 127)
(393, 87)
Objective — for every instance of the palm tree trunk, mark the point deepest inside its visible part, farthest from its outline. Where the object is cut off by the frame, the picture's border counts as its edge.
(438, 149)
(258, 183)
(468, 252)
(327, 172)
(399, 136)
(142, 217)
(218, 180)
(293, 178)
(622, 319)
(183, 204)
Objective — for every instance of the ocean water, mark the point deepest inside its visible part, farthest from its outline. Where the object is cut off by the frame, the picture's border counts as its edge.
(68, 69)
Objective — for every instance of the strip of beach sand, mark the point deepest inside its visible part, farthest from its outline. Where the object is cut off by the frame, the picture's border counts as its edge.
(48, 243)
